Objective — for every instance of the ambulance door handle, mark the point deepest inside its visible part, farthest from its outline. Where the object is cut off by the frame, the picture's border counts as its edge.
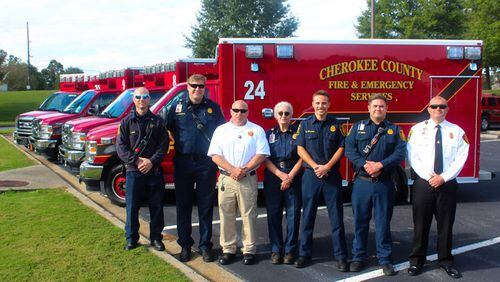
(267, 113)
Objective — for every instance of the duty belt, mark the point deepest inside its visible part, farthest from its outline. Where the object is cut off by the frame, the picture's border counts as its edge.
(372, 179)
(223, 172)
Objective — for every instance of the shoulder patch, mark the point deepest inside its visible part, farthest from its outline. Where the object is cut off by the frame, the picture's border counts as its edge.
(294, 136)
(343, 129)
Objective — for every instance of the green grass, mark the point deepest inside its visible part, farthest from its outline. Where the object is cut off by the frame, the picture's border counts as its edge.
(6, 131)
(48, 235)
(11, 158)
(13, 103)
(496, 91)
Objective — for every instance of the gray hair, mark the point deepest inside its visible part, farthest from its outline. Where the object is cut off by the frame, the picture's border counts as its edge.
(279, 105)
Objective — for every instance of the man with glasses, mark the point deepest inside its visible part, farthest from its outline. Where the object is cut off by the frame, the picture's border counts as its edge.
(320, 144)
(437, 151)
(238, 147)
(141, 144)
(192, 122)
(375, 147)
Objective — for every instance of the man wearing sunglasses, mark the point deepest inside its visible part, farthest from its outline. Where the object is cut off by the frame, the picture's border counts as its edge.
(238, 148)
(141, 143)
(192, 122)
(437, 151)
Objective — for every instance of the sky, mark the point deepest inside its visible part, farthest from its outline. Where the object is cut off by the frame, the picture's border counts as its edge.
(101, 35)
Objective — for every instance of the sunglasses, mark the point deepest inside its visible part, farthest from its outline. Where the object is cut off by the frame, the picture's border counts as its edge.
(442, 107)
(283, 113)
(194, 86)
(243, 111)
(143, 97)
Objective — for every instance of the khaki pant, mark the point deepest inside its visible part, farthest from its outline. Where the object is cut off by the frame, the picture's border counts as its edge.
(240, 195)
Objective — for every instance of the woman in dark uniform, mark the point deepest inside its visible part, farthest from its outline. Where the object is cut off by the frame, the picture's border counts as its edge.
(282, 186)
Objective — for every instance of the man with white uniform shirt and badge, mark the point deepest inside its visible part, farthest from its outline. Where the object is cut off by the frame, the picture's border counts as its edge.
(238, 147)
(437, 151)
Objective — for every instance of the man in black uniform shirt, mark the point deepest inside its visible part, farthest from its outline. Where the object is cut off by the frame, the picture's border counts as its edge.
(141, 144)
(192, 123)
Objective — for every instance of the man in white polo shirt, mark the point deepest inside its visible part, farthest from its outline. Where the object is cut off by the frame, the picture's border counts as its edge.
(238, 147)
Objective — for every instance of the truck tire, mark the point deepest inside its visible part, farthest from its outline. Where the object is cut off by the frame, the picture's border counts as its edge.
(485, 123)
(115, 185)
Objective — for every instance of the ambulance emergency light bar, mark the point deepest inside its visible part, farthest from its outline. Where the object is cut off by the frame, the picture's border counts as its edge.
(458, 53)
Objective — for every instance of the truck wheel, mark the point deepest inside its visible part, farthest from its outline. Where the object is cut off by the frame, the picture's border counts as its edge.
(485, 123)
(115, 186)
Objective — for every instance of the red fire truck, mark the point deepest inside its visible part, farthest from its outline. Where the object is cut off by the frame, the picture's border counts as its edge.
(264, 72)
(70, 86)
(158, 79)
(47, 129)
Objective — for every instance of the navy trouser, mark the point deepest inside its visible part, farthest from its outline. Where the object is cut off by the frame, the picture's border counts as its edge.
(276, 199)
(379, 196)
(138, 187)
(331, 189)
(191, 169)
(427, 202)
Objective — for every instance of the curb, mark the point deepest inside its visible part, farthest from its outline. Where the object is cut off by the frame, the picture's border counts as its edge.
(111, 212)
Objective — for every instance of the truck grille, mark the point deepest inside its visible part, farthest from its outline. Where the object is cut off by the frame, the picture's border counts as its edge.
(24, 126)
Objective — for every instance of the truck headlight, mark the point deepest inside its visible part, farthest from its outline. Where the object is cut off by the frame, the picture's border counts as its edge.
(78, 140)
(90, 151)
(46, 131)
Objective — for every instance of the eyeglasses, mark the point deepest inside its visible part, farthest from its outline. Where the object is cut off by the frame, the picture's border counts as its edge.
(243, 111)
(283, 113)
(442, 107)
(143, 97)
(194, 86)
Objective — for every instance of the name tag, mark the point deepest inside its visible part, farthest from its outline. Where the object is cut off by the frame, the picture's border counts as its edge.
(178, 109)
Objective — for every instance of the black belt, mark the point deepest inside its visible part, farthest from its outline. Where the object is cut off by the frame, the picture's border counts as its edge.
(372, 179)
(284, 164)
(223, 172)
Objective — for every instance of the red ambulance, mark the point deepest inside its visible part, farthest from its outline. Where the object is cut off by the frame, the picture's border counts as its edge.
(264, 72)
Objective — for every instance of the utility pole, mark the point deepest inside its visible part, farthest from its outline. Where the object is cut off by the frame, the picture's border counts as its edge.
(28, 87)
(372, 28)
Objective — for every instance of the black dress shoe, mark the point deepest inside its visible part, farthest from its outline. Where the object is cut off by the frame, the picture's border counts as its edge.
(302, 261)
(131, 246)
(158, 245)
(356, 266)
(388, 269)
(289, 258)
(414, 270)
(185, 254)
(452, 272)
(248, 259)
(342, 266)
(226, 258)
(276, 258)
(208, 255)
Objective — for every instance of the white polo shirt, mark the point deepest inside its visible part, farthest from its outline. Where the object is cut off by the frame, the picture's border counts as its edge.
(238, 144)
(421, 146)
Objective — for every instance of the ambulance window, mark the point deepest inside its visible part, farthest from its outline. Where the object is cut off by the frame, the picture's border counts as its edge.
(492, 101)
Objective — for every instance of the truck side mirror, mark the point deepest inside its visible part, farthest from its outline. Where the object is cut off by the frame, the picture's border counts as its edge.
(267, 113)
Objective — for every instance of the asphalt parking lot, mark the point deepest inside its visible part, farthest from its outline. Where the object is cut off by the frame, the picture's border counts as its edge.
(477, 221)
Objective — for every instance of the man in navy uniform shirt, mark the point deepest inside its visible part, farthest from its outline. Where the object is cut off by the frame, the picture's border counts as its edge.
(192, 122)
(141, 143)
(320, 144)
(384, 143)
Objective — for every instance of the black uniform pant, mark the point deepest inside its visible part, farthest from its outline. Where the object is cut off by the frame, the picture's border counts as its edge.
(191, 170)
(428, 202)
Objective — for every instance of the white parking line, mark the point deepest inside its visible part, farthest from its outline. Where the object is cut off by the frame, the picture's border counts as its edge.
(405, 265)
(492, 140)
(172, 227)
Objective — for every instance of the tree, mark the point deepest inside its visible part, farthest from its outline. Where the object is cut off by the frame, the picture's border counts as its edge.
(69, 70)
(239, 18)
(3, 60)
(416, 19)
(484, 23)
(51, 74)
